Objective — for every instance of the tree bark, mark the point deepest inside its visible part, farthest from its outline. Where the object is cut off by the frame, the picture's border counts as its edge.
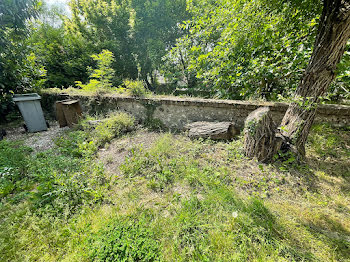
(212, 130)
(260, 135)
(332, 37)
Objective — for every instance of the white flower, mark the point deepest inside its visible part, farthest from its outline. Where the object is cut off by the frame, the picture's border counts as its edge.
(235, 214)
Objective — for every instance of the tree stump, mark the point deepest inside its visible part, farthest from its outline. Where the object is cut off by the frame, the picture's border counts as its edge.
(212, 130)
(259, 135)
(68, 112)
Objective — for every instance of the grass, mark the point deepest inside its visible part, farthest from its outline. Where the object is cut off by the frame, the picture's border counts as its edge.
(177, 200)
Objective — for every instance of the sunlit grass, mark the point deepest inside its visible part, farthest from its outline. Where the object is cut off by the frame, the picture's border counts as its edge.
(194, 200)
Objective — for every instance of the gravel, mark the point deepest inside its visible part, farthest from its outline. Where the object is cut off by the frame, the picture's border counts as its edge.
(40, 141)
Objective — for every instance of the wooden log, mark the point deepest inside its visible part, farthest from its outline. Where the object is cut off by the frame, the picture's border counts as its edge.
(68, 112)
(260, 136)
(72, 112)
(60, 115)
(212, 130)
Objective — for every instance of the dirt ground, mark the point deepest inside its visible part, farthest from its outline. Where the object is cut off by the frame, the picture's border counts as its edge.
(114, 154)
(39, 141)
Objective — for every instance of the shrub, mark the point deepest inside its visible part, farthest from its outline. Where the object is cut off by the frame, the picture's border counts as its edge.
(135, 88)
(101, 77)
(113, 126)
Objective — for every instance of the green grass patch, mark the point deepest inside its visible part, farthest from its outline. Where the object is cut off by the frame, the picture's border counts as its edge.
(176, 200)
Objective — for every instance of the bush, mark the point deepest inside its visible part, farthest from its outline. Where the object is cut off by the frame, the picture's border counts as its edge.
(135, 88)
(113, 126)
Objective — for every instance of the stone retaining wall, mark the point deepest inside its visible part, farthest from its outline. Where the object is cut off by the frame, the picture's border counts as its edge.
(175, 112)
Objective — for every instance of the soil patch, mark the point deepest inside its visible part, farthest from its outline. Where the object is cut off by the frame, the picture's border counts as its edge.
(40, 141)
(114, 155)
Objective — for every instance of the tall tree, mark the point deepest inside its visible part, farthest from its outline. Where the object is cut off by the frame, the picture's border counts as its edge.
(248, 48)
(332, 37)
(155, 31)
(13, 50)
(105, 24)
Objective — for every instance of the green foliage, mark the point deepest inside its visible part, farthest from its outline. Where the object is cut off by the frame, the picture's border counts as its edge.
(115, 125)
(64, 57)
(135, 88)
(101, 77)
(65, 190)
(155, 29)
(13, 167)
(241, 49)
(76, 144)
(153, 164)
(105, 25)
(325, 142)
(125, 240)
(16, 66)
(86, 142)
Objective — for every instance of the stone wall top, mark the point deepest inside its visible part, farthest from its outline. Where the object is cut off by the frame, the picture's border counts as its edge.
(175, 112)
(324, 109)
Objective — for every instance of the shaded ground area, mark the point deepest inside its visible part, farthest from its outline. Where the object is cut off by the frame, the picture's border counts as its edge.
(40, 141)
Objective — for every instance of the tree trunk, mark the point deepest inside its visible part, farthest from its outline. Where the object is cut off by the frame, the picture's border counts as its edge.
(212, 130)
(332, 37)
(333, 34)
(260, 135)
(149, 86)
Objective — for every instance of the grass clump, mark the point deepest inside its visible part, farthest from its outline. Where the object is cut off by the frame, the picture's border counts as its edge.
(93, 136)
(113, 126)
(13, 167)
(125, 240)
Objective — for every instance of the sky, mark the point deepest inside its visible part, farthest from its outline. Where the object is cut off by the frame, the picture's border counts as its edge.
(60, 3)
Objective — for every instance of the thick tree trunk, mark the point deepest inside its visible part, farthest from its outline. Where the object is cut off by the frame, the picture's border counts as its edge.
(259, 135)
(212, 130)
(333, 34)
(332, 37)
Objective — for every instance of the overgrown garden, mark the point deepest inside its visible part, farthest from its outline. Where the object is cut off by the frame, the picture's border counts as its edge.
(115, 189)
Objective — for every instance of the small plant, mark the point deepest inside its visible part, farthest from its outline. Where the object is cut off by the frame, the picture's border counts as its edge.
(135, 88)
(125, 241)
(101, 77)
(13, 167)
(115, 125)
(87, 141)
